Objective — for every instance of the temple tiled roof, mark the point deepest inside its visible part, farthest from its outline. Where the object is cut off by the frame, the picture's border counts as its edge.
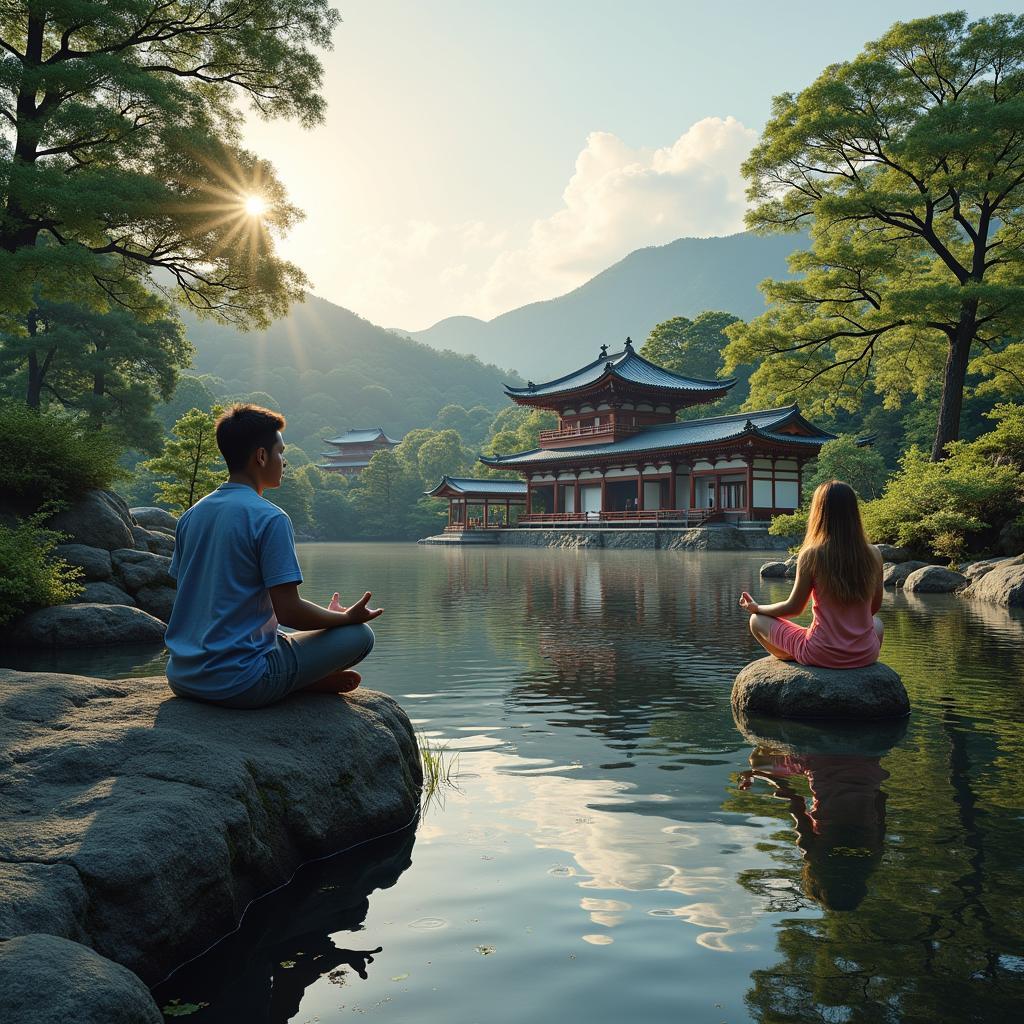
(627, 366)
(466, 485)
(361, 436)
(714, 429)
(341, 463)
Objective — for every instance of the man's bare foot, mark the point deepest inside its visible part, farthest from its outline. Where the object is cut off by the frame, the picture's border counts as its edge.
(344, 680)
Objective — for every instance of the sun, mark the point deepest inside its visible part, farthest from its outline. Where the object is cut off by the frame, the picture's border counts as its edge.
(255, 206)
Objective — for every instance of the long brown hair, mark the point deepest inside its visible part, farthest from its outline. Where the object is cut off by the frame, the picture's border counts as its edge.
(836, 550)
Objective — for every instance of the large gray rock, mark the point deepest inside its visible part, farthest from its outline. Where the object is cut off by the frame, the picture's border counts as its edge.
(1004, 585)
(49, 980)
(975, 570)
(84, 625)
(153, 518)
(135, 569)
(933, 579)
(157, 541)
(779, 570)
(99, 519)
(156, 600)
(891, 553)
(175, 814)
(895, 574)
(784, 689)
(95, 562)
(104, 593)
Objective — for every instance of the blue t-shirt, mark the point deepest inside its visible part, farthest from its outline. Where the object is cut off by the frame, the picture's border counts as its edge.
(229, 548)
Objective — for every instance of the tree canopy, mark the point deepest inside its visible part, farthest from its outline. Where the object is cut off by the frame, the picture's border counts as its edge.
(120, 154)
(908, 163)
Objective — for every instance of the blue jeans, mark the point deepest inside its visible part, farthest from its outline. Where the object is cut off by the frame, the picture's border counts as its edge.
(299, 659)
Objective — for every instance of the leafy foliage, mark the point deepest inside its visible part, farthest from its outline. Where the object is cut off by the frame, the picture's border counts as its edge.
(907, 162)
(843, 459)
(30, 577)
(190, 461)
(694, 348)
(958, 505)
(110, 367)
(49, 457)
(120, 151)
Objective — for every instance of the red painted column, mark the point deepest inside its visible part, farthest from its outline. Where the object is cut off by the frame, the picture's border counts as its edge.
(750, 488)
(576, 500)
(486, 514)
(603, 506)
(672, 487)
(693, 489)
(529, 497)
(640, 490)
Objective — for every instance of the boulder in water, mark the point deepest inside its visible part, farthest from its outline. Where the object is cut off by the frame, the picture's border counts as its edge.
(85, 625)
(1003, 585)
(895, 573)
(933, 579)
(785, 689)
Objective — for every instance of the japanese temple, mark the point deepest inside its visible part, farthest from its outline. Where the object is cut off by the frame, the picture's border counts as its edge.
(354, 449)
(619, 456)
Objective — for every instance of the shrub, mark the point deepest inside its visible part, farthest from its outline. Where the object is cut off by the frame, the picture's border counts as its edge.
(950, 507)
(50, 457)
(30, 577)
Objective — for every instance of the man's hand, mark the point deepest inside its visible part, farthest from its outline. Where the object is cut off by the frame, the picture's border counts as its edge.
(360, 611)
(336, 605)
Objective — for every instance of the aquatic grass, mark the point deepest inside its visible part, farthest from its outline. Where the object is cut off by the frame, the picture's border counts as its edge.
(440, 768)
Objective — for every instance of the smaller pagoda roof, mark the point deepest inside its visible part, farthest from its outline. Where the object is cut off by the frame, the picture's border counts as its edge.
(453, 486)
(626, 365)
(361, 435)
(766, 424)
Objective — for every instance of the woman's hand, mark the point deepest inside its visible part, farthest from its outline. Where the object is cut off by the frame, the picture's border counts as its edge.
(748, 604)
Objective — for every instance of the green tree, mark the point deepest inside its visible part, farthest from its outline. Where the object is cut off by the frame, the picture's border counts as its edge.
(190, 461)
(334, 517)
(385, 495)
(112, 367)
(120, 148)
(843, 459)
(692, 348)
(443, 454)
(907, 162)
(295, 496)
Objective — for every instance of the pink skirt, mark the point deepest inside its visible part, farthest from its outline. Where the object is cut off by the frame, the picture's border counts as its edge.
(804, 646)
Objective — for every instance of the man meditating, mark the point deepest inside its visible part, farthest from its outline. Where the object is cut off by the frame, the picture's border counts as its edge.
(238, 579)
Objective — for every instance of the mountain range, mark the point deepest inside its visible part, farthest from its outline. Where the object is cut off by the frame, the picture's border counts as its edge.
(546, 339)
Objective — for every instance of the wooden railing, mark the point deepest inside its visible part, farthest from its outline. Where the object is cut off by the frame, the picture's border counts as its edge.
(569, 433)
(632, 517)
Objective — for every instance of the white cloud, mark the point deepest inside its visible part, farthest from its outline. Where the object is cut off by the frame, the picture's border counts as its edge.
(617, 200)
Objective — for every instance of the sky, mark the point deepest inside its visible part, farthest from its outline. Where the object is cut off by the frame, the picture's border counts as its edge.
(477, 156)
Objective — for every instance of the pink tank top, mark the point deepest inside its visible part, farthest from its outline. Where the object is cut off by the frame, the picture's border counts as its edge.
(841, 636)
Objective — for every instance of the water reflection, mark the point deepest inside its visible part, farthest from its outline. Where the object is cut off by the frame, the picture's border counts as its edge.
(840, 825)
(291, 939)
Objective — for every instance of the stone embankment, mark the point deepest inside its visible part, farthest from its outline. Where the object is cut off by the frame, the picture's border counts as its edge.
(137, 826)
(124, 555)
(710, 538)
(784, 689)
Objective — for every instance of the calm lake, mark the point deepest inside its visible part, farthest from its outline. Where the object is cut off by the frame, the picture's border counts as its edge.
(615, 847)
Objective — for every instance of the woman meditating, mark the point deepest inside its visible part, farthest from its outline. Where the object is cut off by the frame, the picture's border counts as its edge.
(842, 573)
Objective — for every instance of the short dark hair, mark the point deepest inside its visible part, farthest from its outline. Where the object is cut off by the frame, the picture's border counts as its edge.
(242, 428)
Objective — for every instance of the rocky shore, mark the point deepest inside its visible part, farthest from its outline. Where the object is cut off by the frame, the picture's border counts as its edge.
(137, 825)
(711, 538)
(124, 555)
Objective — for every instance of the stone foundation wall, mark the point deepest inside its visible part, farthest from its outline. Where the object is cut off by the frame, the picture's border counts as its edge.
(717, 538)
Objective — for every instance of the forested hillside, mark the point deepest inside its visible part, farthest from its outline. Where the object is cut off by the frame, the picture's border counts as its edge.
(683, 278)
(328, 369)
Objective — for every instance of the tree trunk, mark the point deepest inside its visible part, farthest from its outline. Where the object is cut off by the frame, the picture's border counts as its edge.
(35, 381)
(955, 373)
